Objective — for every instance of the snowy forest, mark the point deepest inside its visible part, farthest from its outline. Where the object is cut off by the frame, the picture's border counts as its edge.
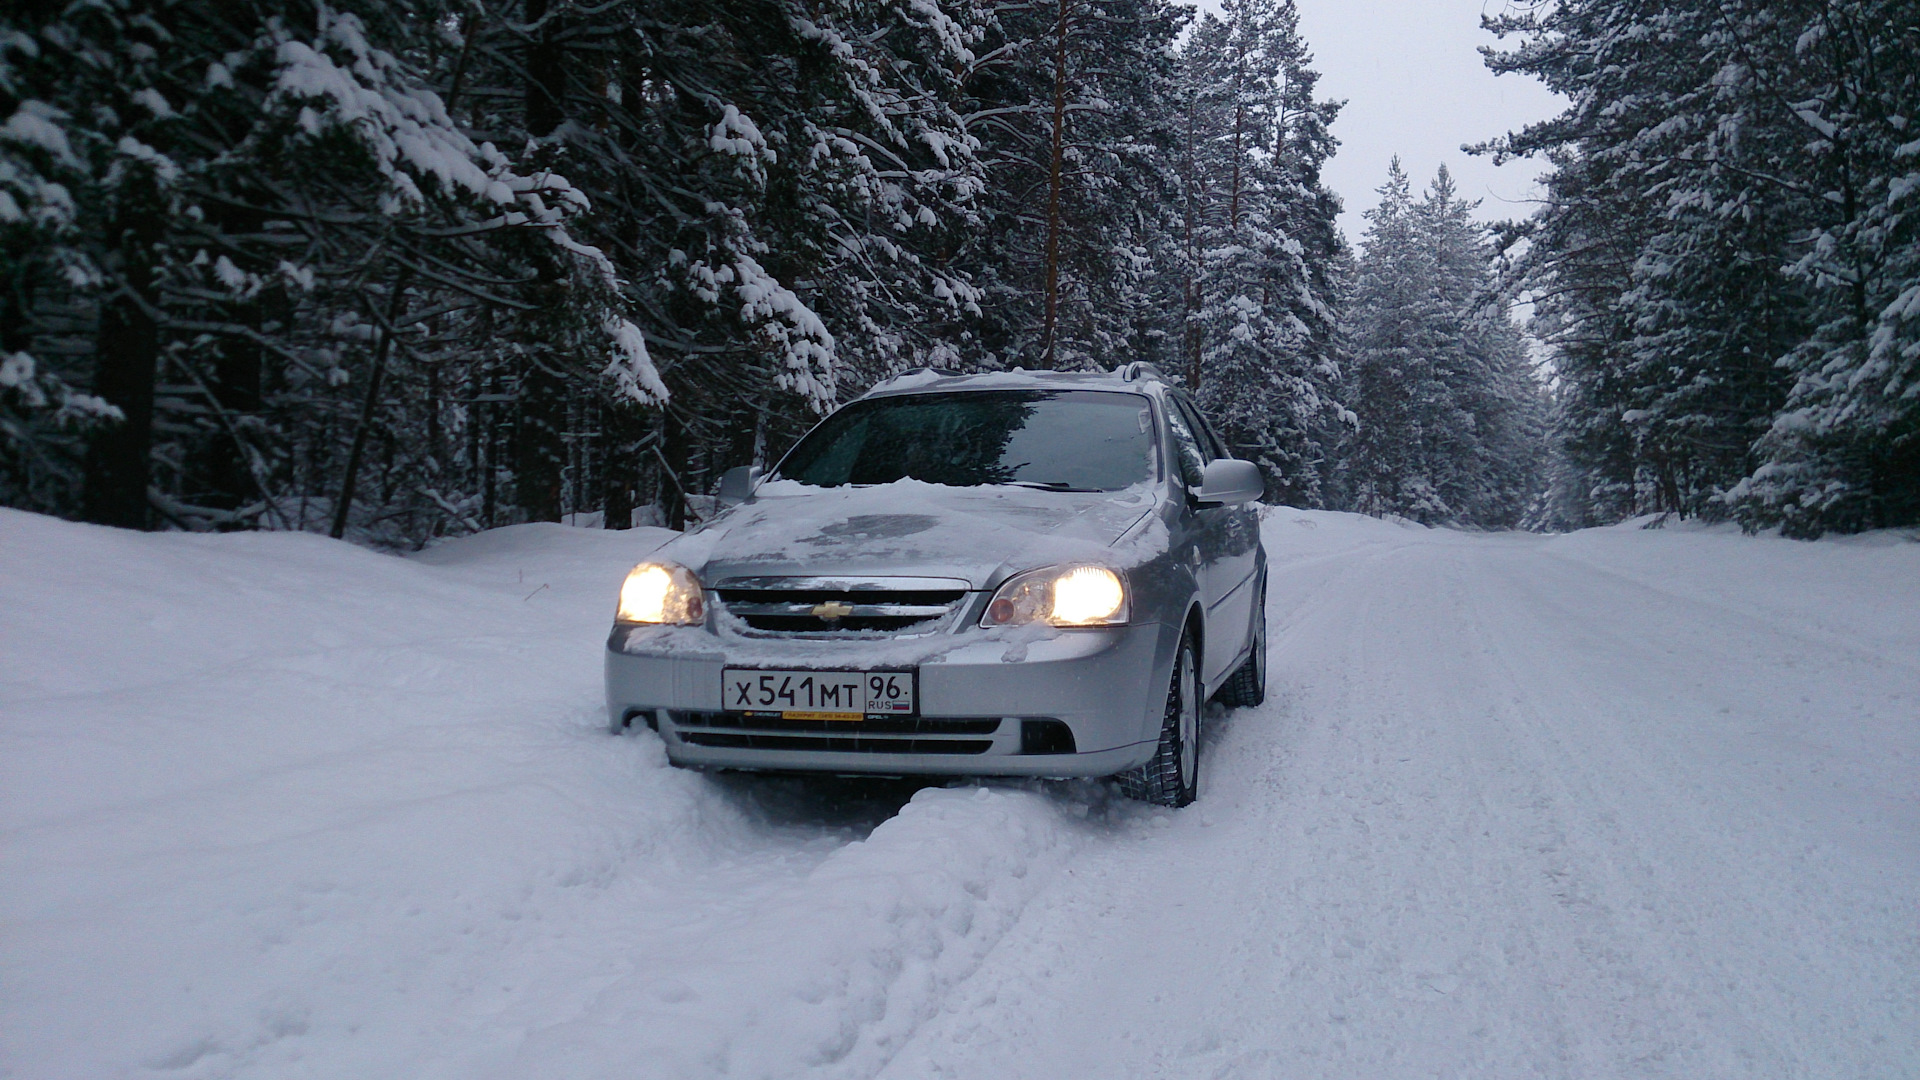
(397, 272)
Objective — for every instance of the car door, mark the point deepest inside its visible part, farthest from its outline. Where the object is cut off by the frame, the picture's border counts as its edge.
(1209, 541)
(1239, 560)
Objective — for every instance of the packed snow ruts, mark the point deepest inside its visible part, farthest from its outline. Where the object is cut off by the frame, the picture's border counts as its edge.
(1623, 802)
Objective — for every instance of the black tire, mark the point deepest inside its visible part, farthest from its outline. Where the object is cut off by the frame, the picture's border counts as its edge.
(1248, 683)
(1172, 776)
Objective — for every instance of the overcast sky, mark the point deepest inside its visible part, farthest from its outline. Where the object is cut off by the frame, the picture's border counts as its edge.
(1416, 86)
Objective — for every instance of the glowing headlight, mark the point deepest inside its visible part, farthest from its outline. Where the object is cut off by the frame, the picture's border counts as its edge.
(1086, 595)
(1063, 596)
(662, 593)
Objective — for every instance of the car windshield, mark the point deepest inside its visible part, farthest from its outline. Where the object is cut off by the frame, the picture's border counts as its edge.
(1063, 440)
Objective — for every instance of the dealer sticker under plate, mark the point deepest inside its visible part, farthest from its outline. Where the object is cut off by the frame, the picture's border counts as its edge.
(817, 695)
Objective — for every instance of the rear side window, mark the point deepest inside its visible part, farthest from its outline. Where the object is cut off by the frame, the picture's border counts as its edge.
(1186, 445)
(1203, 432)
(1066, 440)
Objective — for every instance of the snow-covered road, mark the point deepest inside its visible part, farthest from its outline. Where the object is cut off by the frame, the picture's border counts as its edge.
(1617, 804)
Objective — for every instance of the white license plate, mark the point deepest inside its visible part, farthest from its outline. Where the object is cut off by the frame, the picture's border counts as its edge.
(817, 695)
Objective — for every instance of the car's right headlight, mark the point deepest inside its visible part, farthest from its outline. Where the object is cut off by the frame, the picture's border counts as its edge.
(1062, 596)
(662, 594)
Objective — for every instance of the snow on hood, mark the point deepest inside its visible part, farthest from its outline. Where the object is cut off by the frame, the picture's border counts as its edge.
(914, 529)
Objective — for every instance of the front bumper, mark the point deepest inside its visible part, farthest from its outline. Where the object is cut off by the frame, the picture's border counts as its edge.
(1107, 686)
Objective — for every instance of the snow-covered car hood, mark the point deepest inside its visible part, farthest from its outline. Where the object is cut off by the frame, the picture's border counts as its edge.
(912, 529)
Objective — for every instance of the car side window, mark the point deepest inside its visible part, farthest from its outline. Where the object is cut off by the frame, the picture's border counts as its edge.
(1219, 444)
(1210, 444)
(1186, 445)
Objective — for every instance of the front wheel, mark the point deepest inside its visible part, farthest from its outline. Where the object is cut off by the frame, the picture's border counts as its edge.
(1172, 776)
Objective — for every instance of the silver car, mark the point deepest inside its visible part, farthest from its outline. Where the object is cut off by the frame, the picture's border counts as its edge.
(1010, 574)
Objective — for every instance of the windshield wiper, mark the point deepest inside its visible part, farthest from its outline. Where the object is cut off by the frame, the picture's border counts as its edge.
(1046, 485)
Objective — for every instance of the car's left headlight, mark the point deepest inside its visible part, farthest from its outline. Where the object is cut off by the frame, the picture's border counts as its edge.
(662, 594)
(1062, 596)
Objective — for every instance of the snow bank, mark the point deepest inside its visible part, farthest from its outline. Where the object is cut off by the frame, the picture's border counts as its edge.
(1621, 802)
(272, 805)
(829, 975)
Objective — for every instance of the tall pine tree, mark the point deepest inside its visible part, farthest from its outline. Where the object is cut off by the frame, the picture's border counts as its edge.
(1450, 413)
(1258, 243)
(1727, 255)
(1066, 99)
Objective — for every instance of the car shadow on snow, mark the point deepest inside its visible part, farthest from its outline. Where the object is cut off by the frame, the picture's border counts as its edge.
(851, 807)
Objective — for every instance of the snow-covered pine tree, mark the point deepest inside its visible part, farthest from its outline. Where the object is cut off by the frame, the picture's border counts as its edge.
(1067, 101)
(398, 272)
(1575, 259)
(44, 418)
(485, 249)
(275, 224)
(1840, 84)
(1732, 207)
(1690, 364)
(1259, 243)
(780, 184)
(1450, 414)
(1389, 373)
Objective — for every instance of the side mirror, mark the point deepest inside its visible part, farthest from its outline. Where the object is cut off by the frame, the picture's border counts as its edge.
(1229, 481)
(737, 484)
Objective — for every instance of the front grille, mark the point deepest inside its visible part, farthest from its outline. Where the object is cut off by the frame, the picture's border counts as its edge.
(882, 735)
(890, 725)
(838, 606)
(856, 744)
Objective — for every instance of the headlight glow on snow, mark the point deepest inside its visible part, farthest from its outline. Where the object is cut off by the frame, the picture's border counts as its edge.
(1063, 596)
(662, 593)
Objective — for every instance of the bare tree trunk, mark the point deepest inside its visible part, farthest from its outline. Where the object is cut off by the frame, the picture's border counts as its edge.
(368, 406)
(1191, 339)
(546, 72)
(743, 435)
(436, 453)
(620, 472)
(576, 456)
(1233, 201)
(1056, 178)
(487, 455)
(226, 459)
(127, 359)
(672, 451)
(541, 450)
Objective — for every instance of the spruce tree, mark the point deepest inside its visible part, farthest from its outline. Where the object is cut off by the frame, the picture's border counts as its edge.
(1727, 254)
(1258, 238)
(1450, 416)
(1067, 100)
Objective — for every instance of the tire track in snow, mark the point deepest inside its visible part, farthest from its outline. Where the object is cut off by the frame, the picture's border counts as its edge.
(1076, 990)
(1754, 943)
(1488, 824)
(1767, 709)
(824, 975)
(1773, 623)
(1611, 941)
(1439, 853)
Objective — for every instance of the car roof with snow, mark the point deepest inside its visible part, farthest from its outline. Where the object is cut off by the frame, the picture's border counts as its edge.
(1135, 377)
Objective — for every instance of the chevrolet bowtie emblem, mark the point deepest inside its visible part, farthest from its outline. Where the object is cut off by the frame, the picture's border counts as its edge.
(832, 609)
